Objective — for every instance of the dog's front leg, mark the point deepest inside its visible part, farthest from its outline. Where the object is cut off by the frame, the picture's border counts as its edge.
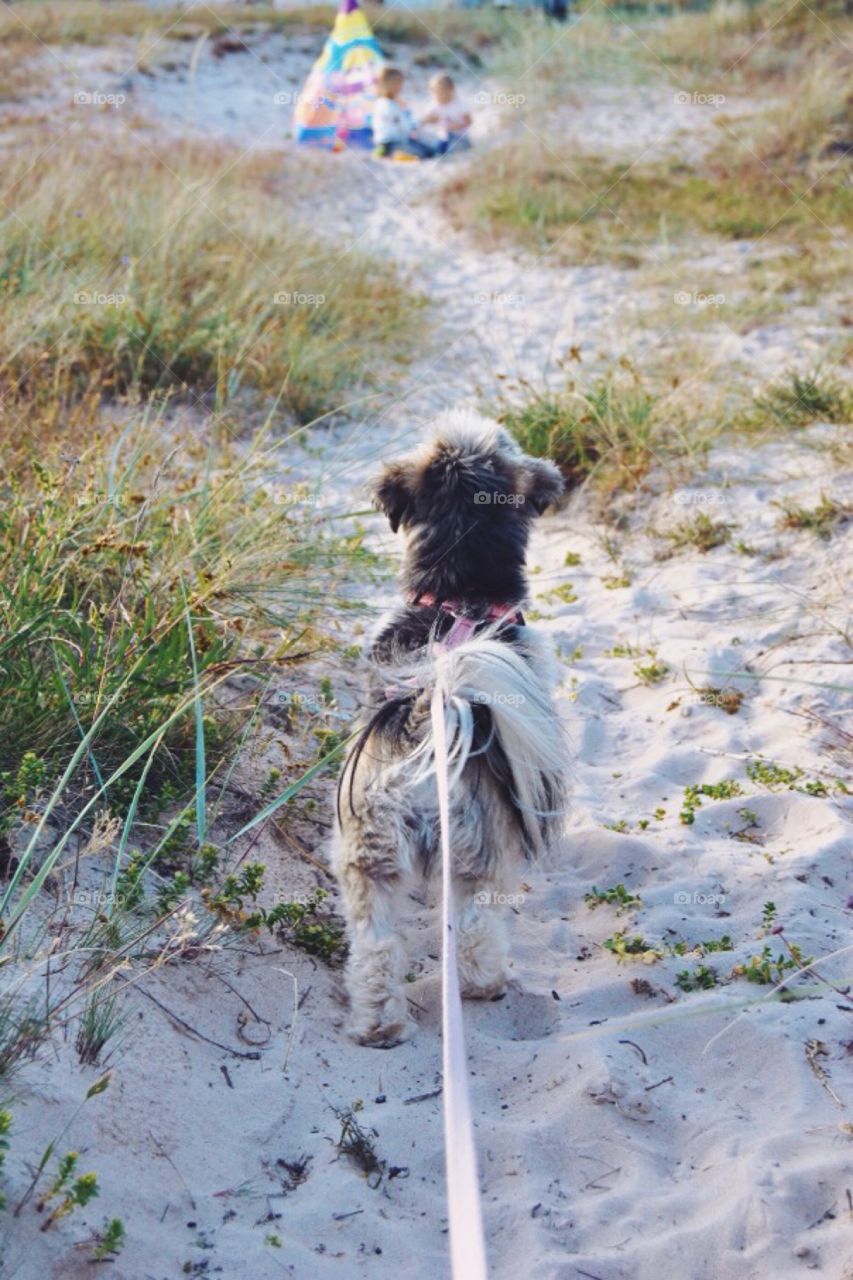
(374, 975)
(481, 939)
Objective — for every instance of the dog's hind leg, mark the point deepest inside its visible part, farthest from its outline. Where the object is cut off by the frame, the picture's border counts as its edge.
(481, 944)
(371, 883)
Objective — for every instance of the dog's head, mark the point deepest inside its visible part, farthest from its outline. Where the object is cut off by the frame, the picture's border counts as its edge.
(466, 501)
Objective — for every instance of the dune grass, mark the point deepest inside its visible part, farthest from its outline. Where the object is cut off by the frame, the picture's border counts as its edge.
(31, 22)
(131, 572)
(581, 208)
(610, 430)
(780, 172)
(178, 270)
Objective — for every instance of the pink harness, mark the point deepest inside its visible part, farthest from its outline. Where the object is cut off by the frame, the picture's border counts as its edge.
(463, 626)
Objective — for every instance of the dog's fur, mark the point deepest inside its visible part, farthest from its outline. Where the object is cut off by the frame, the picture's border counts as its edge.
(466, 503)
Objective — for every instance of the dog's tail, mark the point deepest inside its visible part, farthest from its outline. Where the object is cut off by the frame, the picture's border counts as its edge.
(497, 707)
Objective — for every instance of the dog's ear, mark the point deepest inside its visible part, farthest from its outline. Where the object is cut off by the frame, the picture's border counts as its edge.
(541, 483)
(394, 491)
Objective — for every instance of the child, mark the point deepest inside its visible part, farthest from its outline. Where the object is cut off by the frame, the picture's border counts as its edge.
(451, 120)
(393, 127)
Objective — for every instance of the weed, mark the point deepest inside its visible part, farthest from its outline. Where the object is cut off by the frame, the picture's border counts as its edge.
(822, 520)
(700, 532)
(633, 948)
(565, 594)
(69, 1189)
(359, 1145)
(702, 979)
(110, 1241)
(606, 430)
(773, 776)
(618, 897)
(651, 672)
(694, 792)
(100, 1021)
(766, 970)
(220, 306)
(798, 399)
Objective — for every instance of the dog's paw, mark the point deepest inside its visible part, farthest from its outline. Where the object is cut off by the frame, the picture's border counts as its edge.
(384, 1034)
(494, 990)
(381, 1025)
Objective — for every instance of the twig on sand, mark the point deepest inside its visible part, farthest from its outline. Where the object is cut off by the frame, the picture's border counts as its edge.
(639, 1050)
(422, 1097)
(236, 1053)
(649, 1087)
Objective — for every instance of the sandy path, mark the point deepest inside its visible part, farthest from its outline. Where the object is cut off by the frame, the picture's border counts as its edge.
(614, 1141)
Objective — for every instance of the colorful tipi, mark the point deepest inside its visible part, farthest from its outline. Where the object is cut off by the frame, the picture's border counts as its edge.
(333, 109)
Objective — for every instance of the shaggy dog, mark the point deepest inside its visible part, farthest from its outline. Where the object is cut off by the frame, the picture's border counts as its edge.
(465, 503)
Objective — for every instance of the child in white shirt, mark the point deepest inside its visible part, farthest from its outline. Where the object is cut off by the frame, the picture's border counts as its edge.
(450, 119)
(394, 129)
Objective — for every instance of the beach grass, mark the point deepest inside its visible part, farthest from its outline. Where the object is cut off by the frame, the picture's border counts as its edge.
(175, 270)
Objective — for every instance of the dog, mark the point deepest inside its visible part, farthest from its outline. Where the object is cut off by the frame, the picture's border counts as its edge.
(465, 502)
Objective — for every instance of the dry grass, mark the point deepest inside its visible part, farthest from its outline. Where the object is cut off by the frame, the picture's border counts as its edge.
(582, 208)
(148, 272)
(91, 22)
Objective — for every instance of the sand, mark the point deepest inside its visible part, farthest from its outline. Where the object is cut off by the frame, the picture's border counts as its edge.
(627, 1129)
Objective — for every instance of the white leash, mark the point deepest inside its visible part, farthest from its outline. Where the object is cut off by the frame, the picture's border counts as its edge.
(467, 1242)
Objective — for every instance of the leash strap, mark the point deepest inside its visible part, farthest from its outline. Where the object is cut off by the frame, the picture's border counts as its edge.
(467, 1243)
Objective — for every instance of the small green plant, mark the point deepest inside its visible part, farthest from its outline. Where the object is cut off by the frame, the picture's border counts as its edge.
(652, 672)
(694, 792)
(702, 979)
(633, 948)
(618, 897)
(70, 1191)
(110, 1241)
(572, 560)
(766, 970)
(626, 651)
(100, 1021)
(606, 430)
(798, 399)
(565, 594)
(768, 917)
(821, 520)
(770, 775)
(614, 581)
(701, 532)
